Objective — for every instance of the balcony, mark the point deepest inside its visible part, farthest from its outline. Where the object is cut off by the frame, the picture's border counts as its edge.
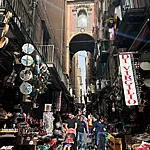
(104, 52)
(130, 26)
(48, 53)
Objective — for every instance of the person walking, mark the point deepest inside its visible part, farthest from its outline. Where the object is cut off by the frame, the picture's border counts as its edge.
(71, 124)
(80, 132)
(90, 123)
(71, 127)
(100, 129)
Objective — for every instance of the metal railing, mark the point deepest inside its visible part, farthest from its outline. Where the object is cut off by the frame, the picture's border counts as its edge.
(48, 53)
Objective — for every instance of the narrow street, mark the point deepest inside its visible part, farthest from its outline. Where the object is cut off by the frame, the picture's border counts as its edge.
(74, 75)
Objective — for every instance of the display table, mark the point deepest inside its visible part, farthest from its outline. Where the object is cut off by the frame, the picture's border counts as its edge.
(8, 137)
(114, 143)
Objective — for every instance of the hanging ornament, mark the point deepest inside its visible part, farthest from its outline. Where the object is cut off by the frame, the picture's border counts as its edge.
(34, 92)
(26, 75)
(38, 59)
(43, 68)
(145, 66)
(28, 48)
(27, 60)
(25, 88)
(36, 69)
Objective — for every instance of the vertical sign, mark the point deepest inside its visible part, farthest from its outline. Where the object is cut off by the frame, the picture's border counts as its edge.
(129, 86)
(59, 102)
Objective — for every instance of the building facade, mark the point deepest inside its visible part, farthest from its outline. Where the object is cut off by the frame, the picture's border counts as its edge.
(78, 32)
(123, 28)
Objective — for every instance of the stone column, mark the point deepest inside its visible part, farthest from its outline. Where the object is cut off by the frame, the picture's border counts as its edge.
(66, 60)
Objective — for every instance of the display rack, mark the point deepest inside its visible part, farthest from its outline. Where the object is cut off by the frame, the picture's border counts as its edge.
(114, 143)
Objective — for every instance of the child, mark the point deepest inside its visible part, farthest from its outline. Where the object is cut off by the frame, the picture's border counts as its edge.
(68, 142)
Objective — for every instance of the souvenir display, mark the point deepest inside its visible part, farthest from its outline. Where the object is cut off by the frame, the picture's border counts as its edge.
(26, 75)
(28, 48)
(27, 60)
(25, 88)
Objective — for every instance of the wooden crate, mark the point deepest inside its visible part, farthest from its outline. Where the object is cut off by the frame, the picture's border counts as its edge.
(114, 143)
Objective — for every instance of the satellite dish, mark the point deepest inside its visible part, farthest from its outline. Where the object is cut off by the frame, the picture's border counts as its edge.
(27, 60)
(28, 48)
(145, 65)
(25, 88)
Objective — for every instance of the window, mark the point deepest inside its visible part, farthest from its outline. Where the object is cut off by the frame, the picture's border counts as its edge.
(82, 19)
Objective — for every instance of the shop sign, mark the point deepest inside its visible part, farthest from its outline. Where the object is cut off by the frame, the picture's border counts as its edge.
(128, 80)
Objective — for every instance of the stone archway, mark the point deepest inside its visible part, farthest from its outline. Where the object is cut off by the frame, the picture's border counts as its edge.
(81, 42)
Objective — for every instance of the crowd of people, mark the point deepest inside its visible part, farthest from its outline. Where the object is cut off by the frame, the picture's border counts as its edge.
(79, 127)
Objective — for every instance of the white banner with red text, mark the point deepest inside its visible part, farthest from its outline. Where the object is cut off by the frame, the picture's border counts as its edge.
(128, 79)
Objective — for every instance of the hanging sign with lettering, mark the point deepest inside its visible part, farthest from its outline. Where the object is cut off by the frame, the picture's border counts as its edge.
(128, 80)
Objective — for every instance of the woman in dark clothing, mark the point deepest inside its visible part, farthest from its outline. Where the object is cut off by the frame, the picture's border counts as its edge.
(100, 131)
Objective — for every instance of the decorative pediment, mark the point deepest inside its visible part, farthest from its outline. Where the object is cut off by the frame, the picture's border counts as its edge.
(78, 7)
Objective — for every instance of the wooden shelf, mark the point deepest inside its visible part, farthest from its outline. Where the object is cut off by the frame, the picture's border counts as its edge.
(114, 143)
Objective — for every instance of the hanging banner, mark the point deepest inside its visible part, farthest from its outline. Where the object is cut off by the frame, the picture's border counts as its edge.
(58, 108)
(128, 80)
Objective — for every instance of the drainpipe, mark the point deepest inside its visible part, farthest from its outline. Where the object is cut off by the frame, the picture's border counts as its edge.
(34, 5)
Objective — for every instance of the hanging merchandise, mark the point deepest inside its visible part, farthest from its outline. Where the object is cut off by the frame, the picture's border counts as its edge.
(36, 69)
(28, 48)
(145, 66)
(48, 122)
(27, 60)
(34, 92)
(43, 68)
(4, 40)
(25, 88)
(26, 75)
(147, 82)
(38, 59)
